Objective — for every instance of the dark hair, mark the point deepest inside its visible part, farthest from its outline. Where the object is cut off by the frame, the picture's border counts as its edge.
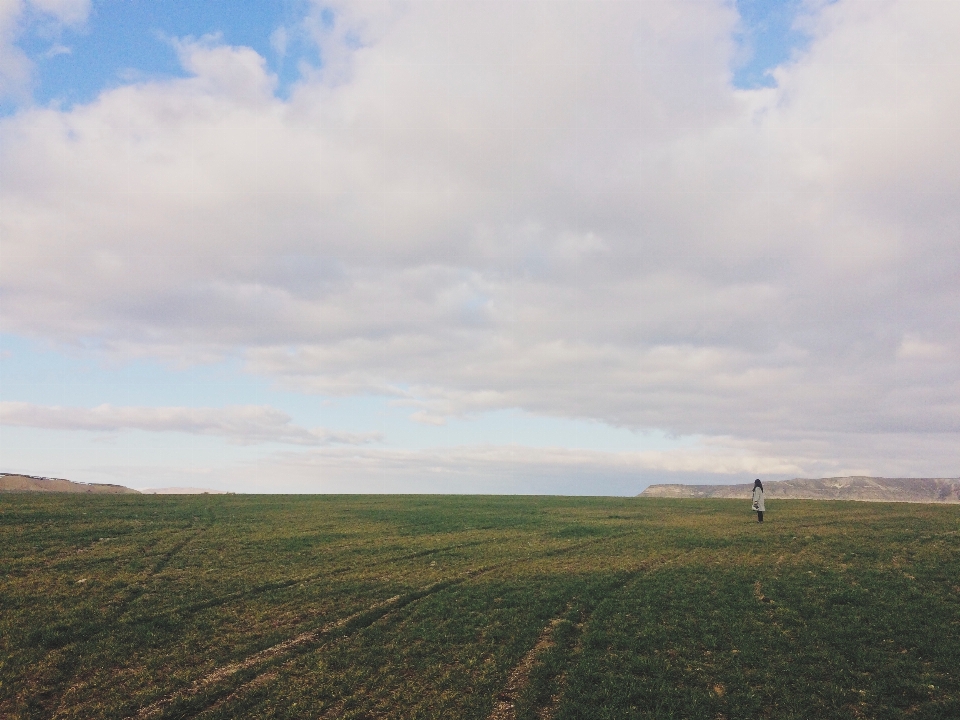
(757, 484)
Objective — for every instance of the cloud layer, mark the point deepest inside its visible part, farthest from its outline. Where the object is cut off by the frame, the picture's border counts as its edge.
(569, 210)
(244, 424)
(541, 470)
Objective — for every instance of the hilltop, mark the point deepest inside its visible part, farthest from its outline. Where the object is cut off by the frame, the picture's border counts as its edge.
(12, 482)
(917, 490)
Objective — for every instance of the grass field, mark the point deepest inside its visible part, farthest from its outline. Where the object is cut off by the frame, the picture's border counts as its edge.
(476, 607)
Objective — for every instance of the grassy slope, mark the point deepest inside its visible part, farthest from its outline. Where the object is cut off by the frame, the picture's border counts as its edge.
(668, 608)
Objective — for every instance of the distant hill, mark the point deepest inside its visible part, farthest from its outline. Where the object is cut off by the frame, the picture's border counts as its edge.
(10, 482)
(183, 491)
(917, 490)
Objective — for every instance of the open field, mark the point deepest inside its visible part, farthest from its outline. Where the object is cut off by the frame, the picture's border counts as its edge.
(476, 607)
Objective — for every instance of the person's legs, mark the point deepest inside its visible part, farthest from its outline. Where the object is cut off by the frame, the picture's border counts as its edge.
(760, 516)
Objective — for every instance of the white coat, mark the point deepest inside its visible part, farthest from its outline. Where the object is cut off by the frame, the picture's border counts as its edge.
(758, 499)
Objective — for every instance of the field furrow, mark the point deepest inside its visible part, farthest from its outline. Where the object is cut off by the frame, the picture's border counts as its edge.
(519, 678)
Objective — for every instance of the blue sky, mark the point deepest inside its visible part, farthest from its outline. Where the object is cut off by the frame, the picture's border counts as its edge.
(769, 38)
(121, 42)
(327, 367)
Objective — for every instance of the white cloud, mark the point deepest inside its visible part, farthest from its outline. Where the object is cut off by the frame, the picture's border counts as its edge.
(243, 424)
(57, 49)
(15, 66)
(570, 211)
(69, 12)
(279, 40)
(510, 469)
(537, 470)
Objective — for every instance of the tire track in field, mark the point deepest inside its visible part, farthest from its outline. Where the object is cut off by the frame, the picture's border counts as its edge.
(257, 658)
(168, 556)
(258, 681)
(519, 677)
(549, 709)
(290, 582)
(372, 614)
(132, 592)
(336, 709)
(310, 637)
(546, 713)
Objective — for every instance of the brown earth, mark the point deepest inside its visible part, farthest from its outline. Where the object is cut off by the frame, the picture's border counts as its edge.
(11, 482)
(918, 490)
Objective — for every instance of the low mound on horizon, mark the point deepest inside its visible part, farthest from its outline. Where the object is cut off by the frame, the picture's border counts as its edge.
(13, 482)
(870, 489)
(183, 491)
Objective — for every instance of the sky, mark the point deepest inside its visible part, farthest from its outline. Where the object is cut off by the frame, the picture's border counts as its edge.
(551, 247)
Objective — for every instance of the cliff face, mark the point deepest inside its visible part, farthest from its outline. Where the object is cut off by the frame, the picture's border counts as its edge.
(28, 483)
(922, 490)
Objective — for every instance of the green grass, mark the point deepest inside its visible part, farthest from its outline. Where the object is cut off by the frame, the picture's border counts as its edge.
(421, 606)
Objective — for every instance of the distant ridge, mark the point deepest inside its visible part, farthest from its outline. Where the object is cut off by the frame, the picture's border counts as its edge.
(183, 491)
(12, 482)
(916, 490)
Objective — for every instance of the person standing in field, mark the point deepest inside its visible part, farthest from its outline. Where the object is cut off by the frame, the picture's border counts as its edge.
(758, 499)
